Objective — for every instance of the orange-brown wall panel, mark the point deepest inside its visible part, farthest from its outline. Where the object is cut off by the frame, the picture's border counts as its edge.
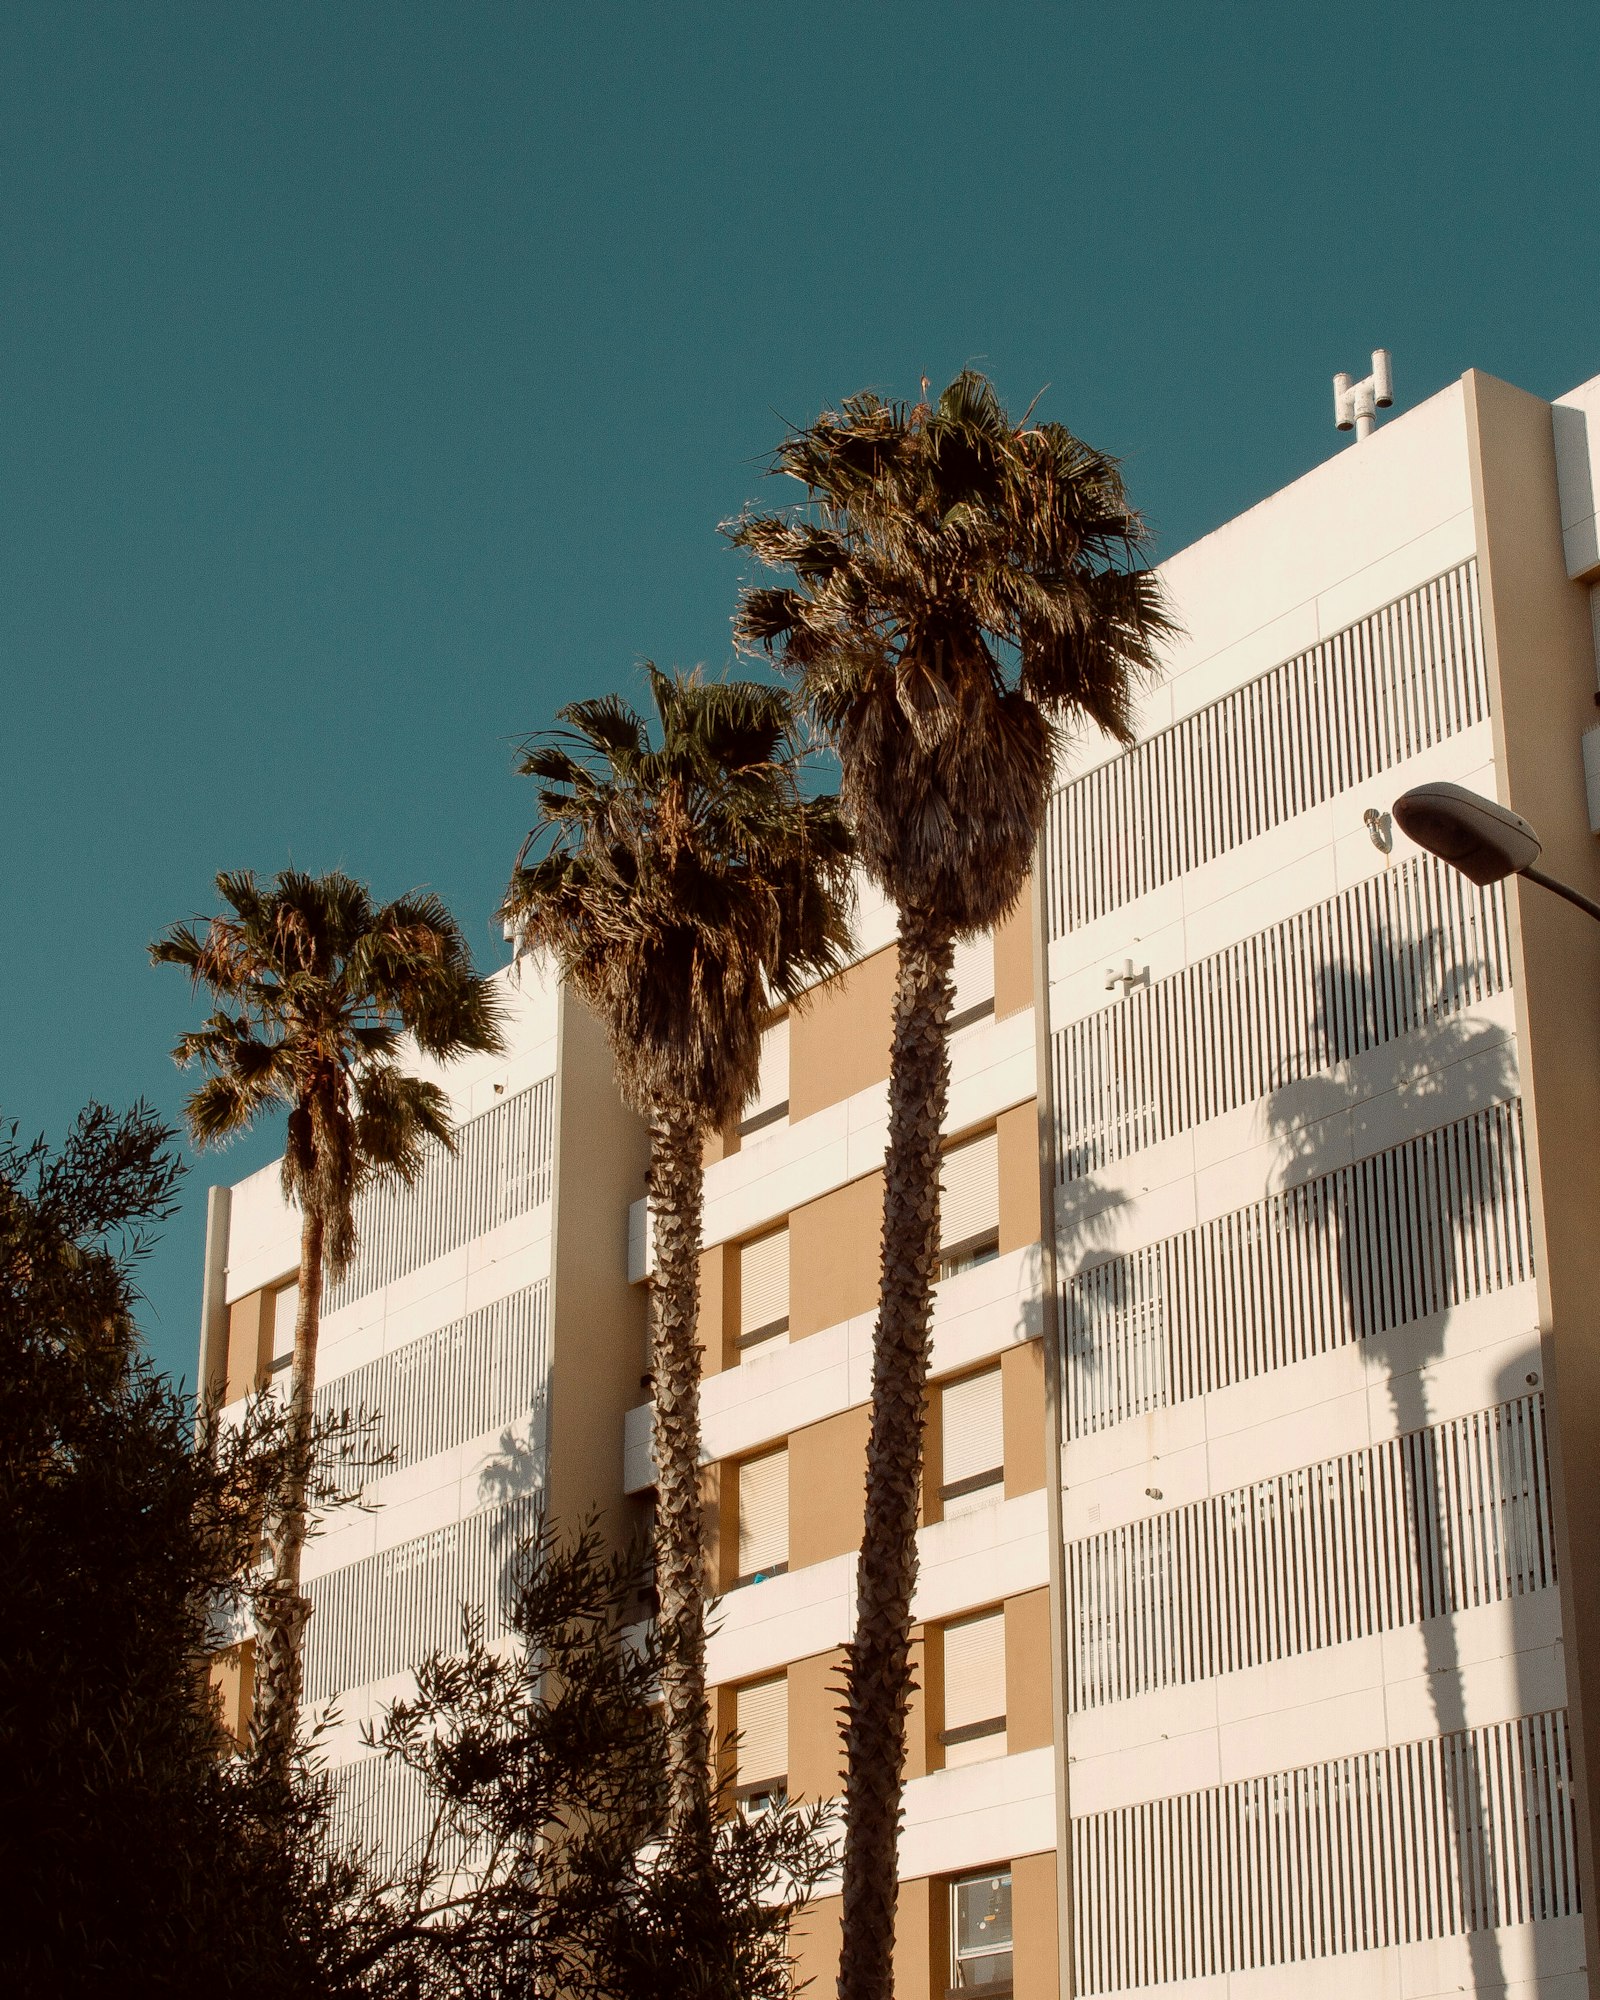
(816, 1754)
(827, 1487)
(1017, 1145)
(1022, 1408)
(833, 1256)
(1030, 1714)
(249, 1343)
(839, 1040)
(1035, 1967)
(1013, 957)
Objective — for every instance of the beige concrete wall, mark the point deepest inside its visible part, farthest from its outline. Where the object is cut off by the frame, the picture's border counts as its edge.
(249, 1344)
(1022, 1413)
(1030, 1715)
(232, 1676)
(827, 1487)
(1017, 1148)
(597, 1319)
(1034, 1964)
(921, 1941)
(833, 1256)
(816, 1755)
(839, 1041)
(1013, 957)
(814, 1947)
(718, 1326)
(1536, 629)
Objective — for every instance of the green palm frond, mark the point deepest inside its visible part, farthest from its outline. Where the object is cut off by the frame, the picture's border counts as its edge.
(319, 988)
(961, 589)
(682, 882)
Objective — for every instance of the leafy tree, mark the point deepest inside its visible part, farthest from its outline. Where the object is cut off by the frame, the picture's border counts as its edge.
(685, 886)
(963, 586)
(316, 987)
(137, 1860)
(546, 1771)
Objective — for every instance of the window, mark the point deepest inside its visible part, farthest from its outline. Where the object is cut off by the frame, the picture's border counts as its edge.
(974, 1689)
(980, 1933)
(771, 1101)
(764, 1516)
(764, 1288)
(762, 1719)
(973, 977)
(972, 1426)
(969, 1204)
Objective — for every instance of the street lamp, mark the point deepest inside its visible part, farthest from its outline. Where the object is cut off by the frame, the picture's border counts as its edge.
(1487, 842)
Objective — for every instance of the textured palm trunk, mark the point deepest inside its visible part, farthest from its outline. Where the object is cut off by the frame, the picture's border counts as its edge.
(878, 1672)
(282, 1610)
(676, 1181)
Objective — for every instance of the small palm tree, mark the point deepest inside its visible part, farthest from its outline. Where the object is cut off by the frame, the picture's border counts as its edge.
(686, 886)
(963, 587)
(316, 987)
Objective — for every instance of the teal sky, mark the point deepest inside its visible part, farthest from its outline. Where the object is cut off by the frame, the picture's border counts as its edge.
(375, 376)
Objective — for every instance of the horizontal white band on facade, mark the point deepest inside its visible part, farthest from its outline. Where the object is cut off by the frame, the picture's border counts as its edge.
(383, 1614)
(1391, 684)
(1343, 1256)
(1467, 1831)
(977, 1315)
(992, 1068)
(975, 1560)
(453, 1383)
(1396, 956)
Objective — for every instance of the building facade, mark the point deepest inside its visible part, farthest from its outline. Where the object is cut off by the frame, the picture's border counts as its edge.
(1257, 1617)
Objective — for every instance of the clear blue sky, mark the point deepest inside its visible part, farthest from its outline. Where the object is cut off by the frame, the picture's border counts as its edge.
(375, 375)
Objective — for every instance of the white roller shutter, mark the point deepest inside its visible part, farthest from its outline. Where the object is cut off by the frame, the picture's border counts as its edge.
(771, 1100)
(764, 1513)
(764, 1287)
(973, 974)
(762, 1720)
(972, 1425)
(975, 1688)
(969, 1192)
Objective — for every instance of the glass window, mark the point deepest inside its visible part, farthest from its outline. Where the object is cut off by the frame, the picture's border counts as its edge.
(980, 1932)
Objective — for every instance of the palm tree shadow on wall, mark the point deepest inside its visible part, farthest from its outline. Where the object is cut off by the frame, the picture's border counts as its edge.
(1406, 1247)
(514, 1471)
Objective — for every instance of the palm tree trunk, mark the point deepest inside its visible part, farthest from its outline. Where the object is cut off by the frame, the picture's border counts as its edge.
(282, 1609)
(676, 1182)
(878, 1670)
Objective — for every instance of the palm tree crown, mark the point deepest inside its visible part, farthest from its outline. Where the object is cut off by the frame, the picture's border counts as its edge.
(318, 986)
(962, 586)
(686, 886)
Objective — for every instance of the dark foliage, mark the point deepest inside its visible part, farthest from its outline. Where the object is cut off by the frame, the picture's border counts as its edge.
(544, 1868)
(136, 1860)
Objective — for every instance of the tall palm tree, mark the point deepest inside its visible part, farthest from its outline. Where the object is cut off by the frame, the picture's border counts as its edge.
(963, 587)
(684, 887)
(316, 987)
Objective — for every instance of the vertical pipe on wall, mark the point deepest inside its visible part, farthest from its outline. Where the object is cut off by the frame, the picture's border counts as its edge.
(1050, 1333)
(214, 1296)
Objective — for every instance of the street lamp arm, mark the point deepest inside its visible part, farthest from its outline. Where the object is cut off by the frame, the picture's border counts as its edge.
(1556, 888)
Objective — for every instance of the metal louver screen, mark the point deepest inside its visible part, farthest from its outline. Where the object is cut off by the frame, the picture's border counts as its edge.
(973, 975)
(972, 1421)
(969, 1191)
(772, 1085)
(764, 1285)
(763, 1725)
(974, 1687)
(764, 1513)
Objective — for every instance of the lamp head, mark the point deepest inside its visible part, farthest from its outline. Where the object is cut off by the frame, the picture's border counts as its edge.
(1487, 842)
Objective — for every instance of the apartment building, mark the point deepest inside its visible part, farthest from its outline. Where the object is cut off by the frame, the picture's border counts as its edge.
(1257, 1620)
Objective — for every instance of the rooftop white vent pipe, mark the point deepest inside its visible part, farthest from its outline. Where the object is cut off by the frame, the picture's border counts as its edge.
(1356, 404)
